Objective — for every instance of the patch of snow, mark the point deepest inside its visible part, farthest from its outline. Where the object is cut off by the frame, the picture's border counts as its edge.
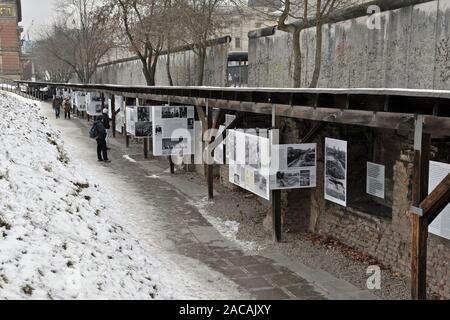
(127, 157)
(227, 228)
(59, 232)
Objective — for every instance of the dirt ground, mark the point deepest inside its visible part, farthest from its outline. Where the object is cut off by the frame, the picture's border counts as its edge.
(311, 250)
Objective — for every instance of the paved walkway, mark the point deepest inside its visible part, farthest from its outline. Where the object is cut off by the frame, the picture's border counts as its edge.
(183, 229)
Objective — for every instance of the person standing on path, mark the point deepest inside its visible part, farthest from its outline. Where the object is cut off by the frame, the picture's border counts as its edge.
(57, 106)
(105, 121)
(98, 132)
(67, 107)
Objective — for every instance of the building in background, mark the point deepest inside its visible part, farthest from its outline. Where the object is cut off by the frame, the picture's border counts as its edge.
(10, 16)
(238, 21)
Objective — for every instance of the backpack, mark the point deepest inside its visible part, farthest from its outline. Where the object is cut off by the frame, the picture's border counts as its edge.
(93, 133)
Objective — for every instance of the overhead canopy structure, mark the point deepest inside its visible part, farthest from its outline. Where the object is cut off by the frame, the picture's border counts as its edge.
(383, 108)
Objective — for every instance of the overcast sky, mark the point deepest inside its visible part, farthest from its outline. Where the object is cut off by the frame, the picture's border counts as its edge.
(39, 11)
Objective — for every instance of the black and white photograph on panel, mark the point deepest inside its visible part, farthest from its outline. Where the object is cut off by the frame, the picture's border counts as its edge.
(237, 179)
(252, 154)
(143, 129)
(301, 155)
(287, 179)
(261, 184)
(158, 130)
(305, 178)
(129, 120)
(174, 146)
(143, 114)
(190, 123)
(239, 174)
(336, 171)
(173, 112)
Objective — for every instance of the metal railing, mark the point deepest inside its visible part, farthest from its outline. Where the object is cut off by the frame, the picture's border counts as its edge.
(21, 90)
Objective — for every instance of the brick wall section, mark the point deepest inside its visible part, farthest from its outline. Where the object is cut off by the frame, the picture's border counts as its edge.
(387, 239)
(10, 48)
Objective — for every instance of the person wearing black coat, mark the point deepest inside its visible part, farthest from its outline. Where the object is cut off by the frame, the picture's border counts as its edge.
(57, 106)
(105, 121)
(102, 152)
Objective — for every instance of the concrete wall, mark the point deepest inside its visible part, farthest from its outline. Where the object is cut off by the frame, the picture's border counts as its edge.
(184, 66)
(411, 50)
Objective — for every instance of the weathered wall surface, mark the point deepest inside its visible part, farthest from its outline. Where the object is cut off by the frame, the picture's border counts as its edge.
(184, 66)
(411, 50)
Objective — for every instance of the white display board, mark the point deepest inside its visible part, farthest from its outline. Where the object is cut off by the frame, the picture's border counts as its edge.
(375, 180)
(119, 104)
(80, 100)
(249, 162)
(130, 112)
(293, 166)
(93, 104)
(441, 225)
(336, 171)
(173, 130)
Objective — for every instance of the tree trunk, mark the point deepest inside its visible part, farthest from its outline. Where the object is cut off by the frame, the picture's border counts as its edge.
(297, 58)
(149, 77)
(318, 56)
(201, 65)
(169, 75)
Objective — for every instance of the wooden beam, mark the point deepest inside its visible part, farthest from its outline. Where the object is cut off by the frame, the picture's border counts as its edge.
(436, 201)
(419, 225)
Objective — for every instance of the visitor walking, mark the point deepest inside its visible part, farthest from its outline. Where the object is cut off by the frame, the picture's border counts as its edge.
(67, 107)
(56, 106)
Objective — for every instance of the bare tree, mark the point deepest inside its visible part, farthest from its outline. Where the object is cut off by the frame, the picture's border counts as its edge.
(323, 10)
(143, 25)
(47, 66)
(199, 21)
(294, 16)
(80, 38)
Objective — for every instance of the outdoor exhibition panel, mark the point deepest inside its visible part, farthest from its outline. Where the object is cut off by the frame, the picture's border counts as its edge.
(173, 130)
(336, 171)
(249, 162)
(130, 114)
(94, 104)
(80, 100)
(293, 166)
(119, 103)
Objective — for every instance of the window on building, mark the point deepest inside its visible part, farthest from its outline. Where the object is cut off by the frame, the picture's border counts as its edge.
(237, 43)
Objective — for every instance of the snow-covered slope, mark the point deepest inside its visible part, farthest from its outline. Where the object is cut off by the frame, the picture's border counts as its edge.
(58, 239)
